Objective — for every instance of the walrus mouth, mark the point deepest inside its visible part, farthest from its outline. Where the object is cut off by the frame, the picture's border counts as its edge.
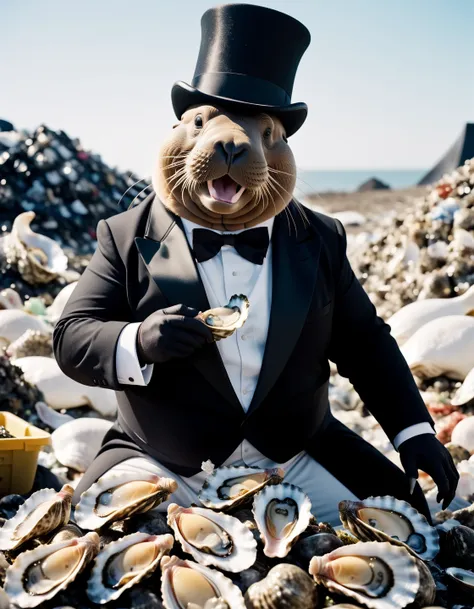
(225, 189)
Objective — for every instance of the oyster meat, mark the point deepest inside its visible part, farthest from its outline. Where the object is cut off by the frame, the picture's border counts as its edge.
(285, 586)
(389, 519)
(376, 574)
(282, 512)
(213, 538)
(40, 574)
(228, 487)
(225, 320)
(42, 513)
(188, 585)
(124, 563)
(119, 495)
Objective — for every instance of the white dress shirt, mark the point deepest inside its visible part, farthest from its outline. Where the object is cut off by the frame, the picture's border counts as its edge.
(224, 275)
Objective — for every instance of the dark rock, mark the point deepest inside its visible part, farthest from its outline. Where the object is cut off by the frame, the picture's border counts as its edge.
(16, 394)
(373, 184)
(44, 478)
(9, 505)
(316, 545)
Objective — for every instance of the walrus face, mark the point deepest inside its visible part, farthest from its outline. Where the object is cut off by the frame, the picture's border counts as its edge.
(225, 171)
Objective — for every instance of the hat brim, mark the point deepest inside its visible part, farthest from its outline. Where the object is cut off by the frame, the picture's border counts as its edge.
(183, 96)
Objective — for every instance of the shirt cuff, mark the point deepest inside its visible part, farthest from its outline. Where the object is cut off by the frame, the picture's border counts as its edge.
(411, 432)
(129, 371)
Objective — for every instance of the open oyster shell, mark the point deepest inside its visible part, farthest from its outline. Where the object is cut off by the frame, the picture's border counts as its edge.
(462, 580)
(124, 563)
(285, 586)
(40, 574)
(213, 538)
(225, 320)
(228, 487)
(282, 512)
(119, 495)
(389, 519)
(42, 513)
(376, 574)
(187, 584)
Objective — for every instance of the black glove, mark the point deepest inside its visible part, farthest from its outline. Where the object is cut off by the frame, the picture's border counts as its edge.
(426, 452)
(169, 333)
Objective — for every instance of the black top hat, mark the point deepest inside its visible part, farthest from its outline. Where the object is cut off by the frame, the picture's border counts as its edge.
(247, 62)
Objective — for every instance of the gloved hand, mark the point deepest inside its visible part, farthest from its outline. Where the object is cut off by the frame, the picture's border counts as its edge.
(426, 452)
(169, 333)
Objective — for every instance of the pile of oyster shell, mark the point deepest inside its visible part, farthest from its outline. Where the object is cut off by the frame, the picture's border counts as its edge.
(254, 544)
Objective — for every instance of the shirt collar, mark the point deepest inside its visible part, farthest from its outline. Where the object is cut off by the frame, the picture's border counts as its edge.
(190, 226)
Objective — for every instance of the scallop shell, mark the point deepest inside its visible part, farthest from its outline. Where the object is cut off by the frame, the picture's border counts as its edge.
(124, 563)
(231, 486)
(285, 586)
(43, 512)
(40, 574)
(443, 346)
(187, 584)
(410, 318)
(60, 391)
(14, 323)
(225, 320)
(76, 443)
(119, 495)
(463, 434)
(389, 519)
(282, 512)
(31, 342)
(54, 312)
(213, 538)
(376, 574)
(465, 393)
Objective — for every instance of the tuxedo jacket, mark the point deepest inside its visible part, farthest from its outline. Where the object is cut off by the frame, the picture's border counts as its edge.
(189, 412)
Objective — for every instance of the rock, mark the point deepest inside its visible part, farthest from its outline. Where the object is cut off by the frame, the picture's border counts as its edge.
(373, 184)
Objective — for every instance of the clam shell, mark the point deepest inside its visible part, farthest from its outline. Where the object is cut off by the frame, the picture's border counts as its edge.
(42, 513)
(282, 512)
(389, 576)
(463, 434)
(236, 548)
(119, 495)
(389, 519)
(443, 346)
(124, 563)
(199, 586)
(54, 312)
(15, 322)
(465, 393)
(285, 586)
(225, 320)
(61, 563)
(231, 486)
(77, 442)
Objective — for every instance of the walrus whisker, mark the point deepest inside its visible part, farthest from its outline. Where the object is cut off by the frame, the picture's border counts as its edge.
(141, 192)
(130, 187)
(298, 205)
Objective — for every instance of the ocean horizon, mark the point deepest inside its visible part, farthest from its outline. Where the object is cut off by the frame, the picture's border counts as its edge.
(349, 180)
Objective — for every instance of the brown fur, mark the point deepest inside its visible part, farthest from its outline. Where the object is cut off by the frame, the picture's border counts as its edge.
(191, 156)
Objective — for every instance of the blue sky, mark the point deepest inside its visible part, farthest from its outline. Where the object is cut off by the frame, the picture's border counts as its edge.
(388, 83)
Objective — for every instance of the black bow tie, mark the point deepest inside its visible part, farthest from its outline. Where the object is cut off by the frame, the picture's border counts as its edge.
(251, 244)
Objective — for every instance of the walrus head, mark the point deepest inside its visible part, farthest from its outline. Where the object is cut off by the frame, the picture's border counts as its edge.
(225, 171)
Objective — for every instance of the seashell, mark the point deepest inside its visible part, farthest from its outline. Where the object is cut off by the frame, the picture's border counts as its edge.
(231, 486)
(462, 580)
(465, 393)
(463, 434)
(213, 538)
(282, 512)
(39, 574)
(14, 323)
(224, 321)
(124, 563)
(187, 584)
(463, 240)
(10, 299)
(465, 486)
(119, 495)
(285, 586)
(376, 574)
(54, 312)
(410, 318)
(458, 453)
(60, 391)
(43, 512)
(67, 532)
(50, 417)
(29, 343)
(389, 519)
(442, 346)
(457, 547)
(39, 259)
(315, 545)
(35, 306)
(77, 442)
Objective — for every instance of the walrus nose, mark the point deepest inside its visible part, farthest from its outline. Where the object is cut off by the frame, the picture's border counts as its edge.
(232, 152)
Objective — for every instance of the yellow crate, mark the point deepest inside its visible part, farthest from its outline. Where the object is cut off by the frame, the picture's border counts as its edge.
(19, 455)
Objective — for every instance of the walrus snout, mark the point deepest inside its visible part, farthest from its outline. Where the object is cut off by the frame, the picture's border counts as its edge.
(232, 153)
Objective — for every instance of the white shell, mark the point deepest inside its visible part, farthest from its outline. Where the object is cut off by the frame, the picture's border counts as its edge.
(14, 581)
(54, 312)
(60, 391)
(463, 434)
(29, 343)
(465, 487)
(463, 239)
(443, 346)
(244, 547)
(97, 589)
(224, 587)
(15, 322)
(10, 299)
(292, 496)
(410, 318)
(51, 417)
(47, 509)
(465, 393)
(209, 495)
(77, 442)
(86, 516)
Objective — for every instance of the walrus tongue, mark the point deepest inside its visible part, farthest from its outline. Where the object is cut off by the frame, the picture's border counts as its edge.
(223, 189)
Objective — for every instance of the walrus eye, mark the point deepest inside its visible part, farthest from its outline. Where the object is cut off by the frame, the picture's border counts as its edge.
(198, 121)
(267, 132)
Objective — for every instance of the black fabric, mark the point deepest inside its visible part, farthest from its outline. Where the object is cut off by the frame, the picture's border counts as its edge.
(251, 244)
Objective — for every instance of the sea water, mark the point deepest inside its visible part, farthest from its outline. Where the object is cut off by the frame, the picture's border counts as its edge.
(349, 180)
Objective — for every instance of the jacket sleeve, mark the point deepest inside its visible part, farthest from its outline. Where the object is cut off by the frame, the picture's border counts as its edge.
(85, 337)
(367, 354)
